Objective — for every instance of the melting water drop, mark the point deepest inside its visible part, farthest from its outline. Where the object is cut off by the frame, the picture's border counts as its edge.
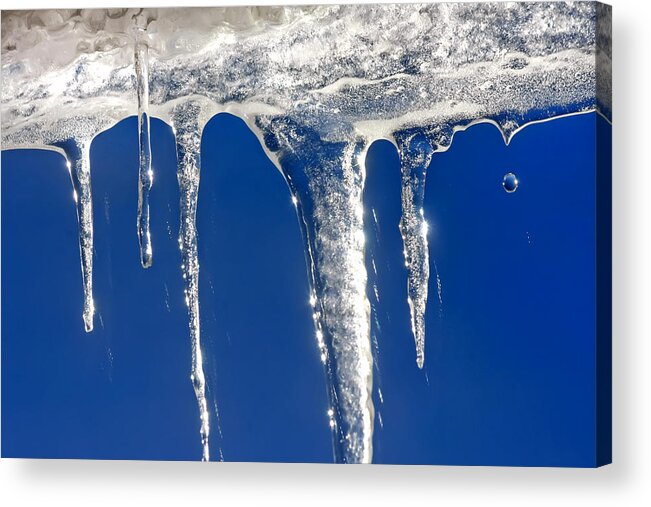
(185, 120)
(415, 156)
(145, 174)
(510, 182)
(78, 160)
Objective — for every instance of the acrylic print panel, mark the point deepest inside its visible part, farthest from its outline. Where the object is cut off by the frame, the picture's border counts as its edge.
(352, 234)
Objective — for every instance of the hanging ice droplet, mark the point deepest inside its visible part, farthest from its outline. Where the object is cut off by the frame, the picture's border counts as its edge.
(78, 161)
(510, 182)
(185, 120)
(145, 174)
(415, 156)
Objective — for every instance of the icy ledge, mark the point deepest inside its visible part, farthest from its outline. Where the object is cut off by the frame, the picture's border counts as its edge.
(317, 85)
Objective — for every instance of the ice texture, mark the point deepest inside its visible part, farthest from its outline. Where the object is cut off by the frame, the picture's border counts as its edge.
(316, 84)
(145, 172)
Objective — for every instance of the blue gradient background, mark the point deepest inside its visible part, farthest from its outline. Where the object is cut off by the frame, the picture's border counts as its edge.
(509, 376)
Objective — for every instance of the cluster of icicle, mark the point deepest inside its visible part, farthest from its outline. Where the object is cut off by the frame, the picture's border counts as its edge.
(317, 85)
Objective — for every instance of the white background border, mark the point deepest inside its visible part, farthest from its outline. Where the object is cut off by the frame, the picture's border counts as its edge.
(626, 482)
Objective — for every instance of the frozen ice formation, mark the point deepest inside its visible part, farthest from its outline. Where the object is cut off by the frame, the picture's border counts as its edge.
(317, 85)
(415, 156)
(145, 172)
(188, 149)
(326, 180)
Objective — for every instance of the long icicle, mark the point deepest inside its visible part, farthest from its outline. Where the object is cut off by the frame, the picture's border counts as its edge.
(185, 121)
(145, 174)
(327, 180)
(342, 313)
(78, 162)
(415, 155)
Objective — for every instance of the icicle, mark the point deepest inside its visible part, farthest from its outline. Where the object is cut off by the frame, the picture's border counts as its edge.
(78, 162)
(185, 121)
(146, 174)
(327, 180)
(415, 156)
